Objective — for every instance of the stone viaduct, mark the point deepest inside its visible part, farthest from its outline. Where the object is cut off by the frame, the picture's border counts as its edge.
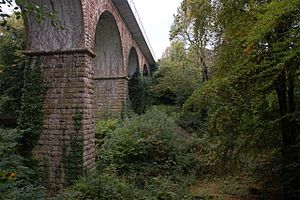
(85, 66)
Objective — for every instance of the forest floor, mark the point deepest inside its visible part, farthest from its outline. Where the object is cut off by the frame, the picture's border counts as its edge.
(212, 189)
(215, 189)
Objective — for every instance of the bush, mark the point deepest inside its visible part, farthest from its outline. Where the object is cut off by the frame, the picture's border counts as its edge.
(174, 85)
(166, 189)
(102, 186)
(107, 186)
(144, 157)
(141, 158)
(18, 180)
(148, 143)
(197, 158)
(104, 127)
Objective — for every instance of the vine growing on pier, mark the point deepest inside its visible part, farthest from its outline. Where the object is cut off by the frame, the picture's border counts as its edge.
(73, 157)
(30, 115)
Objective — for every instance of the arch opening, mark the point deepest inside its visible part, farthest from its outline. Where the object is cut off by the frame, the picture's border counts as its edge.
(108, 65)
(145, 70)
(133, 62)
(135, 84)
(108, 47)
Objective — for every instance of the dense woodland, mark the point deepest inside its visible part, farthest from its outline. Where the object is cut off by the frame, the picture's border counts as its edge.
(218, 119)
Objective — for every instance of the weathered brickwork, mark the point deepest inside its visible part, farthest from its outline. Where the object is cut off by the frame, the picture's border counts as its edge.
(69, 81)
(79, 76)
(110, 93)
(92, 11)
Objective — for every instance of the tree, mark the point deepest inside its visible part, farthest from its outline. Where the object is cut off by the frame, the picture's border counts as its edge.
(253, 96)
(11, 71)
(177, 77)
(280, 45)
(194, 25)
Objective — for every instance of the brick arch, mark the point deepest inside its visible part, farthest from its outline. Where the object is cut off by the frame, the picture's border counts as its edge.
(133, 62)
(108, 64)
(75, 82)
(108, 47)
(146, 70)
(92, 10)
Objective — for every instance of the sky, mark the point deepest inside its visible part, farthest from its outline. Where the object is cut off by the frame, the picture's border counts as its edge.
(157, 18)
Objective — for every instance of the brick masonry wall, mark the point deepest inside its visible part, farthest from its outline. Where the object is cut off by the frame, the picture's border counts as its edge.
(92, 10)
(70, 85)
(110, 94)
(68, 67)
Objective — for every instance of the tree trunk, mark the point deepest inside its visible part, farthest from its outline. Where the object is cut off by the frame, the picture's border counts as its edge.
(286, 99)
(204, 70)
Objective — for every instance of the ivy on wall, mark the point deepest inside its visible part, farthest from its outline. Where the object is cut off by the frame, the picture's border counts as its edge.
(73, 156)
(30, 115)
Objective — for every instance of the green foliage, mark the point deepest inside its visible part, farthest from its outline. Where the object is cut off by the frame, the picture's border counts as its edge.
(198, 157)
(165, 188)
(17, 181)
(73, 160)
(11, 72)
(103, 128)
(195, 26)
(77, 119)
(176, 79)
(233, 186)
(110, 186)
(30, 115)
(141, 142)
(253, 96)
(143, 157)
(140, 97)
(73, 152)
(193, 23)
(245, 118)
(103, 186)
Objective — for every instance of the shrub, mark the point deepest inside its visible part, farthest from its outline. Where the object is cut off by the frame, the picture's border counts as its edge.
(104, 127)
(196, 157)
(143, 157)
(166, 189)
(21, 181)
(111, 186)
(148, 143)
(102, 186)
(174, 85)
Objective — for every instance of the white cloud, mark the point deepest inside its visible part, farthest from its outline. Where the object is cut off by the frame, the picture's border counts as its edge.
(157, 18)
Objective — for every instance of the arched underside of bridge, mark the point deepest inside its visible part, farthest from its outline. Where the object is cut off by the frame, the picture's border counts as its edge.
(133, 64)
(146, 70)
(110, 90)
(85, 67)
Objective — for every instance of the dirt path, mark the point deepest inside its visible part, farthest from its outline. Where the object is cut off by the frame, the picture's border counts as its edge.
(212, 190)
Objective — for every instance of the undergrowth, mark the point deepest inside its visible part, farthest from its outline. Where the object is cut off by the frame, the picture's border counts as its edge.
(143, 157)
(17, 180)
